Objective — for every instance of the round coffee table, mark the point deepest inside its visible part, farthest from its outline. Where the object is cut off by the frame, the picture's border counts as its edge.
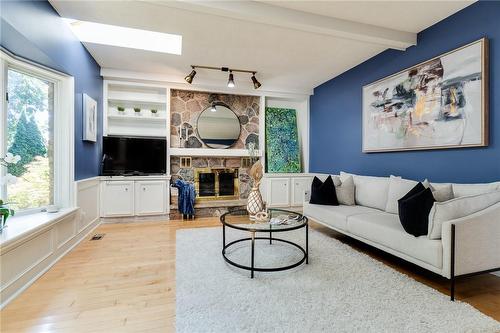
(240, 220)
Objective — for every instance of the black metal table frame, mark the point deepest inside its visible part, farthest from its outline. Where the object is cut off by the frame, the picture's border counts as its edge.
(252, 239)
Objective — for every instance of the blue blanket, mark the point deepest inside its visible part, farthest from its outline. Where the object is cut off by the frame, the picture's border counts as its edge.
(187, 195)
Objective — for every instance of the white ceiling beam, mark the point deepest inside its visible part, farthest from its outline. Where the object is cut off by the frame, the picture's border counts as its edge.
(293, 19)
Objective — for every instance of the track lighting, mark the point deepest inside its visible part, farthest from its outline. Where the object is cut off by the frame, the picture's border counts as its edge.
(230, 81)
(190, 77)
(256, 83)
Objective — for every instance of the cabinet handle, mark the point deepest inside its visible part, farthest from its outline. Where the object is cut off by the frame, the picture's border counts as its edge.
(144, 189)
(126, 188)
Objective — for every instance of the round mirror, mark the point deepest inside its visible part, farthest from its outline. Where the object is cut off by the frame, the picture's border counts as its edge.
(218, 126)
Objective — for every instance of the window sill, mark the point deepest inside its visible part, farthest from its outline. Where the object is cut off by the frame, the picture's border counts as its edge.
(22, 228)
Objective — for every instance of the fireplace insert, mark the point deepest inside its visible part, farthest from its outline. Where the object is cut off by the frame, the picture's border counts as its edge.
(216, 183)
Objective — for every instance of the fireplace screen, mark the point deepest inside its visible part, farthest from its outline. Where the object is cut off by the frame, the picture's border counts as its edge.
(216, 183)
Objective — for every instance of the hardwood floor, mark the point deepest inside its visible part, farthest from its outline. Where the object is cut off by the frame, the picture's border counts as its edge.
(126, 283)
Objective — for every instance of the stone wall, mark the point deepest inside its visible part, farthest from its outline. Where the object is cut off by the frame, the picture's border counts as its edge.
(186, 107)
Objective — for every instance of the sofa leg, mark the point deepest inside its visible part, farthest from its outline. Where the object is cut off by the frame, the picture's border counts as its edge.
(452, 289)
(452, 266)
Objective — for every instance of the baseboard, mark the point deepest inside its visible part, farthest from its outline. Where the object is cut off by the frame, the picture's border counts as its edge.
(132, 219)
(48, 262)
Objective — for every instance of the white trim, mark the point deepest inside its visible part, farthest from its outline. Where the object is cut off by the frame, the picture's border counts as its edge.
(63, 124)
(211, 152)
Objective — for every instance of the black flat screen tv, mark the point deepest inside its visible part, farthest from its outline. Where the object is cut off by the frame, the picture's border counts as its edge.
(126, 156)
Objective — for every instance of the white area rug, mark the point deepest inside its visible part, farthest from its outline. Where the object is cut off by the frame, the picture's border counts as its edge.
(341, 290)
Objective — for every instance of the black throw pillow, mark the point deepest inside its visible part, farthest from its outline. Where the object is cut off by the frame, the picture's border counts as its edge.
(323, 193)
(414, 209)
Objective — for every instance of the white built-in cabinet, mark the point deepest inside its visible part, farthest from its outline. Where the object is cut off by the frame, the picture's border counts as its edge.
(133, 197)
(286, 190)
(117, 198)
(278, 192)
(150, 197)
(299, 187)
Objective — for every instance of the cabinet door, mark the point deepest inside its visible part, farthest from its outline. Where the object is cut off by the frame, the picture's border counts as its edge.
(150, 197)
(299, 186)
(117, 198)
(278, 192)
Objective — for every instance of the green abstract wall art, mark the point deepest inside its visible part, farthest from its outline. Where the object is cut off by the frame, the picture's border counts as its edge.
(282, 141)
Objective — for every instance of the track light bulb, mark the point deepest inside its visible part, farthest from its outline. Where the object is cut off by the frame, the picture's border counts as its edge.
(213, 108)
(256, 83)
(230, 82)
(190, 77)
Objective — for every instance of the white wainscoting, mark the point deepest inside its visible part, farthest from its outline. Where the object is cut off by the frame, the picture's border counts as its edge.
(27, 254)
(88, 200)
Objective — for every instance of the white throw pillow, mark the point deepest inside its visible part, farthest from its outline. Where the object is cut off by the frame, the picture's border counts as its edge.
(440, 191)
(344, 190)
(457, 208)
(398, 188)
(443, 193)
(369, 191)
(465, 190)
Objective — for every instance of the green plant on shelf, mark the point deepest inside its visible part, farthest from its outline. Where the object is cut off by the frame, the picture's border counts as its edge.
(120, 109)
(154, 111)
(137, 110)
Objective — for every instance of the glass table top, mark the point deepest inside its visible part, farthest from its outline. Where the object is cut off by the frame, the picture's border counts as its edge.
(276, 220)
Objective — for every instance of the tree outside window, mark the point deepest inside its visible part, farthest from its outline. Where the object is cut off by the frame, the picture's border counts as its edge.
(30, 135)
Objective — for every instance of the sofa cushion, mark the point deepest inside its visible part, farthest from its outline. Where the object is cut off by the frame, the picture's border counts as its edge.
(344, 190)
(385, 229)
(443, 192)
(464, 190)
(334, 216)
(369, 191)
(414, 210)
(323, 193)
(457, 208)
(398, 188)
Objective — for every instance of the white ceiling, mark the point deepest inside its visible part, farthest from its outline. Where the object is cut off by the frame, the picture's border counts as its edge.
(412, 16)
(305, 46)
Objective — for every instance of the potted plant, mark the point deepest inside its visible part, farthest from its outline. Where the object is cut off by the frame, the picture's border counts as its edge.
(5, 210)
(137, 111)
(121, 110)
(154, 112)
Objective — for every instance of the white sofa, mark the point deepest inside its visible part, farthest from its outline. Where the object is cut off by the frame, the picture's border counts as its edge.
(469, 245)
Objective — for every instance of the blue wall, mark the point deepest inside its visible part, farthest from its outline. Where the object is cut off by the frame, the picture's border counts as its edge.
(34, 30)
(335, 142)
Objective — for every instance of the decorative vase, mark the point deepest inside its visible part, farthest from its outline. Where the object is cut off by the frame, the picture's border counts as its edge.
(255, 204)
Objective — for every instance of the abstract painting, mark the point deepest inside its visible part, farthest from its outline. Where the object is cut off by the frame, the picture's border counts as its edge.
(282, 142)
(440, 103)
(89, 119)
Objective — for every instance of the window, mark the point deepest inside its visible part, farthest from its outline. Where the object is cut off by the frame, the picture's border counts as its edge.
(30, 134)
(36, 124)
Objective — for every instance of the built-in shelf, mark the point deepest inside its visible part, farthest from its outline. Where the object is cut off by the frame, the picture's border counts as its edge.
(135, 118)
(211, 152)
(135, 95)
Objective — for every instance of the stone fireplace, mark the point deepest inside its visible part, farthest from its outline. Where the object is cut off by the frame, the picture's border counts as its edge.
(222, 183)
(217, 183)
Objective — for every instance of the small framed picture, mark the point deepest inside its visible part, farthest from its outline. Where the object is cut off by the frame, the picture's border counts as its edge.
(89, 119)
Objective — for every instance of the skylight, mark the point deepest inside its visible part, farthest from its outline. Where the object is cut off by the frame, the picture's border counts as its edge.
(126, 37)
